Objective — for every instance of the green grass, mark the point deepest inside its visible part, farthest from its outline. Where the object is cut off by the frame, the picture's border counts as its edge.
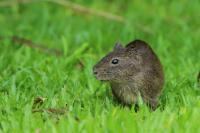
(172, 29)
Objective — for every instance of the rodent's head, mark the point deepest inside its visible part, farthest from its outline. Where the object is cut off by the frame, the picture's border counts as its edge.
(124, 62)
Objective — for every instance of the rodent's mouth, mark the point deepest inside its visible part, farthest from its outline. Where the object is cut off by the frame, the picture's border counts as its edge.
(102, 74)
(103, 77)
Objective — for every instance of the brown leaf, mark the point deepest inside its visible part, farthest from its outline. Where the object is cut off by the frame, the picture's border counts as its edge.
(38, 101)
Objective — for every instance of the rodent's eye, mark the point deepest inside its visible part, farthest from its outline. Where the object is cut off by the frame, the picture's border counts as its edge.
(115, 61)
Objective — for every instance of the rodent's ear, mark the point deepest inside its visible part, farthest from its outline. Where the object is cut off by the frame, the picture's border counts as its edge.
(118, 46)
(138, 46)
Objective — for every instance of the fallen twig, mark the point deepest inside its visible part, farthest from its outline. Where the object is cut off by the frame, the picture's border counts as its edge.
(198, 79)
(85, 10)
(33, 45)
(73, 6)
(61, 111)
(81, 9)
(9, 3)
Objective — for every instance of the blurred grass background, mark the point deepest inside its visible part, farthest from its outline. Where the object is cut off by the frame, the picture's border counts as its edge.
(171, 28)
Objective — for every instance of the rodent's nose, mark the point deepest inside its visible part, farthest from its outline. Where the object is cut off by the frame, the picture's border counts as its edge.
(95, 72)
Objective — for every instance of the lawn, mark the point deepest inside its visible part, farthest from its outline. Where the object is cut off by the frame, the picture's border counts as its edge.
(66, 81)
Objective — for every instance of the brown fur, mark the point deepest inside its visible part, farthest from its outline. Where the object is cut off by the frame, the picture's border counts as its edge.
(138, 72)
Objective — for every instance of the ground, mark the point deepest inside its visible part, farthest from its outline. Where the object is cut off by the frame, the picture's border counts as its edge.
(66, 81)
